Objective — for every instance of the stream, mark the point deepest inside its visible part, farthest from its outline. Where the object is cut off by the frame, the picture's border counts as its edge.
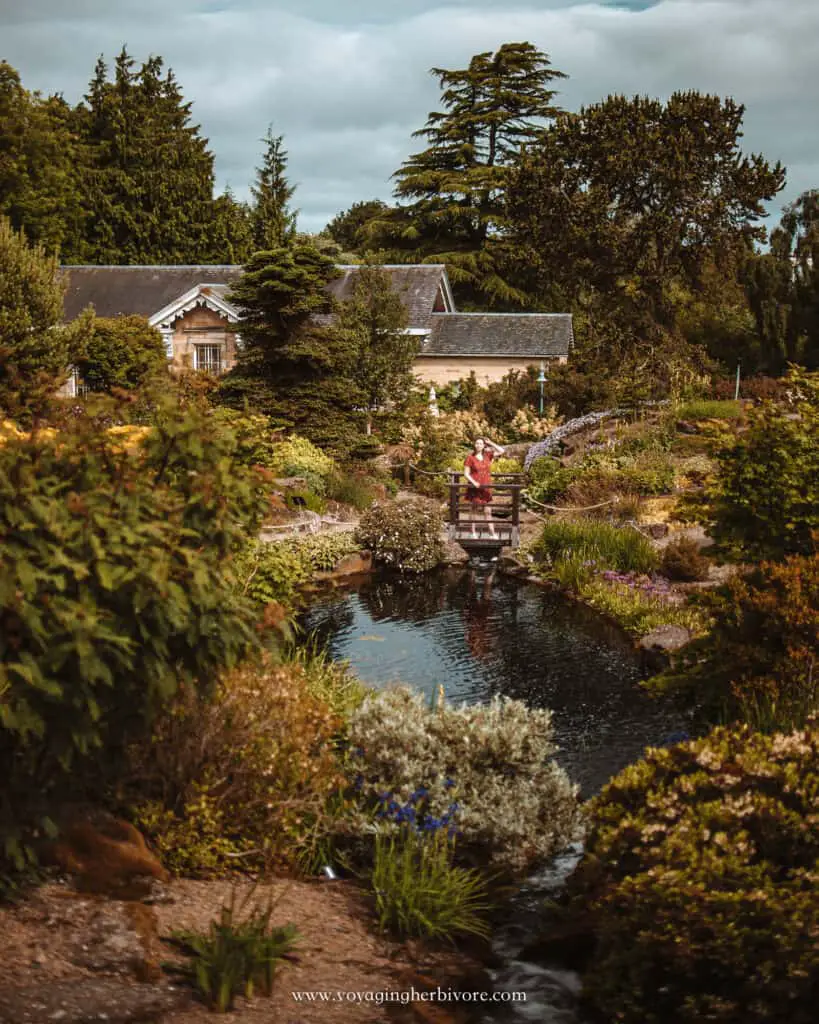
(480, 634)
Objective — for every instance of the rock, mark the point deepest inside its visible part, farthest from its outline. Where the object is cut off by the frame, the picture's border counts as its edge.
(105, 855)
(354, 564)
(290, 482)
(454, 554)
(88, 1001)
(658, 646)
(686, 427)
(656, 530)
(510, 565)
(119, 938)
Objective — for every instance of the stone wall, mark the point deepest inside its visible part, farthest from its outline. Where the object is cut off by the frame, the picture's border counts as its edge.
(439, 370)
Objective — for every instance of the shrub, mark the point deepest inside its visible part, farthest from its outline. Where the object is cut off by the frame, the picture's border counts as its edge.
(114, 587)
(254, 768)
(235, 957)
(275, 571)
(682, 560)
(421, 892)
(700, 875)
(121, 352)
(299, 457)
(764, 501)
(484, 771)
(503, 464)
(758, 662)
(407, 535)
(639, 604)
(710, 409)
(758, 388)
(604, 545)
(526, 425)
(258, 441)
(548, 479)
(356, 489)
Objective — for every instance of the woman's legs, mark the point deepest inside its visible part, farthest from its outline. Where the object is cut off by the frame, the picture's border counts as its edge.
(487, 511)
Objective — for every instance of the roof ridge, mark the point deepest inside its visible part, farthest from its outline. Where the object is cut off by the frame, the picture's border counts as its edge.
(462, 313)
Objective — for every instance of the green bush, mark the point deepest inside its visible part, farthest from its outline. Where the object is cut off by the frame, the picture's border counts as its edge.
(602, 545)
(710, 409)
(548, 480)
(639, 607)
(420, 891)
(764, 501)
(484, 771)
(121, 352)
(235, 957)
(700, 877)
(407, 535)
(114, 589)
(257, 438)
(758, 662)
(356, 489)
(276, 571)
(682, 560)
(299, 457)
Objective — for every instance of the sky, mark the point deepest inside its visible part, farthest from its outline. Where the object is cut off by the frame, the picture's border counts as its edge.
(347, 81)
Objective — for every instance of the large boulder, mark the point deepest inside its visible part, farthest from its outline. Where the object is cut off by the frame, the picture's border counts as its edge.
(88, 1001)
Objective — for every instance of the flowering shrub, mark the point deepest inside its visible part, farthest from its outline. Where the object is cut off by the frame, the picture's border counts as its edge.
(407, 535)
(299, 457)
(482, 772)
(251, 770)
(701, 878)
(758, 663)
(527, 425)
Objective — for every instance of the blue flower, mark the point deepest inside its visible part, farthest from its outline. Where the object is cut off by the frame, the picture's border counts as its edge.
(454, 807)
(432, 824)
(384, 797)
(419, 794)
(359, 782)
(449, 783)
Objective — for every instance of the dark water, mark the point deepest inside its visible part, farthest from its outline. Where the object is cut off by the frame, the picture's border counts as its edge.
(478, 634)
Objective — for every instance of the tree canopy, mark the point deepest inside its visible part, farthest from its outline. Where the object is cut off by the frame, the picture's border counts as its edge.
(120, 352)
(273, 222)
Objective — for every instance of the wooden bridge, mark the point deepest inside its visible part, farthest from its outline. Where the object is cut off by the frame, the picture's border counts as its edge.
(473, 531)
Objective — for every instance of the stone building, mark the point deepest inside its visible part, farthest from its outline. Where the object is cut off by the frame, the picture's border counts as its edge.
(189, 305)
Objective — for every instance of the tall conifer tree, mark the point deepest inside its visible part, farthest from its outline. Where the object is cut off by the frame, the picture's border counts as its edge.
(274, 223)
(453, 191)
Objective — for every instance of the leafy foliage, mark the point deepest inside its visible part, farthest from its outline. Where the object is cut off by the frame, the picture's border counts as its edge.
(407, 535)
(121, 352)
(758, 663)
(483, 771)
(682, 560)
(249, 772)
(349, 228)
(604, 545)
(764, 502)
(272, 223)
(420, 891)
(700, 878)
(297, 456)
(274, 571)
(235, 957)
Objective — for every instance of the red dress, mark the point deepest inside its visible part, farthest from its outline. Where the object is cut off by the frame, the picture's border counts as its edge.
(480, 470)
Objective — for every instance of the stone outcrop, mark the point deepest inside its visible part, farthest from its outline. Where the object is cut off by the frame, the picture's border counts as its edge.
(88, 1001)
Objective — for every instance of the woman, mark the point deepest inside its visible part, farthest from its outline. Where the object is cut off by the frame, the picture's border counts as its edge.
(478, 473)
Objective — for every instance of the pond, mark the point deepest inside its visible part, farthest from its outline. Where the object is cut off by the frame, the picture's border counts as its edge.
(479, 633)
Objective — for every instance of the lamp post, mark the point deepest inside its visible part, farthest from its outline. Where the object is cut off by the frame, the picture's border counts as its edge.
(541, 379)
(736, 389)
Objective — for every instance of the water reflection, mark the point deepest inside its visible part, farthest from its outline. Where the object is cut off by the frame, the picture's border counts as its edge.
(478, 634)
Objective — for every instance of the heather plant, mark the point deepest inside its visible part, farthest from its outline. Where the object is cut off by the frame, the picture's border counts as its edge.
(700, 881)
(406, 535)
(484, 773)
(245, 779)
(421, 892)
(682, 560)
(758, 662)
(764, 500)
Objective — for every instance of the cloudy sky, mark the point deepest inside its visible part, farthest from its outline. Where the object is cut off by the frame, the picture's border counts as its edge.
(346, 81)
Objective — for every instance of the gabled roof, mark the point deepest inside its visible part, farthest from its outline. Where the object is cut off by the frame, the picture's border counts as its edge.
(528, 335)
(418, 284)
(123, 291)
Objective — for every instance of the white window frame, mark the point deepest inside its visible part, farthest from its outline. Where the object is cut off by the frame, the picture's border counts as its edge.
(209, 365)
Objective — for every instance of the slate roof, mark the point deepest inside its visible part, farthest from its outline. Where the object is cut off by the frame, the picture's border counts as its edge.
(116, 291)
(531, 335)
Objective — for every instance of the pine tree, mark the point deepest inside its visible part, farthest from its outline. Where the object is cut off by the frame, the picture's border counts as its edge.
(273, 222)
(294, 364)
(231, 240)
(349, 228)
(150, 176)
(39, 166)
(454, 190)
(378, 319)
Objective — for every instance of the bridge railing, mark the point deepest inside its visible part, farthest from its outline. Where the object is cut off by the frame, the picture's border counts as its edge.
(505, 509)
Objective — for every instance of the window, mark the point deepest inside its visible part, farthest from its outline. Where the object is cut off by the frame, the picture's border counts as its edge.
(207, 358)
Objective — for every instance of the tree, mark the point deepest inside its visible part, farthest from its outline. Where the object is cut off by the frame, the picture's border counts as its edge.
(39, 166)
(631, 198)
(783, 288)
(349, 228)
(121, 352)
(378, 320)
(273, 222)
(294, 364)
(453, 190)
(33, 347)
(231, 235)
(149, 179)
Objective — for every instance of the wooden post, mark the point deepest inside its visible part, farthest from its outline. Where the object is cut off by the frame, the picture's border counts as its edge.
(515, 505)
(453, 500)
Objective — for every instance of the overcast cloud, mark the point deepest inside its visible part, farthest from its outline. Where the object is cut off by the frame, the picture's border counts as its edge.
(346, 81)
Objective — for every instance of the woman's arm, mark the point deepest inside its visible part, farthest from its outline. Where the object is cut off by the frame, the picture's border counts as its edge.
(498, 449)
(469, 478)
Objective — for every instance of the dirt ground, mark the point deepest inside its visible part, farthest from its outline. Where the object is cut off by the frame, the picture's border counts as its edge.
(74, 958)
